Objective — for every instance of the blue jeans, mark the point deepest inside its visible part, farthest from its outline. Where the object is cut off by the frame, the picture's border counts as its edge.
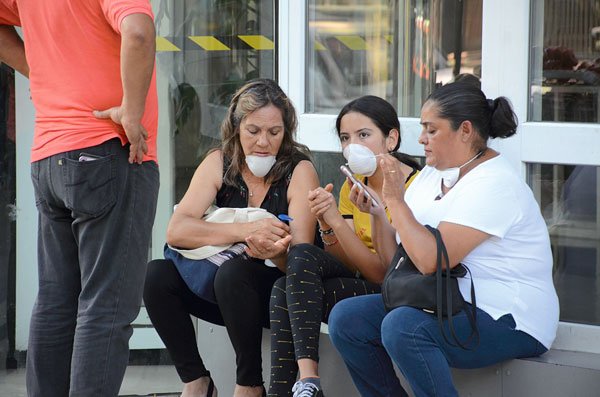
(94, 228)
(369, 338)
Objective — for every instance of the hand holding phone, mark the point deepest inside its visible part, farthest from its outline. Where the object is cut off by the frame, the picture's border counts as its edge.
(346, 171)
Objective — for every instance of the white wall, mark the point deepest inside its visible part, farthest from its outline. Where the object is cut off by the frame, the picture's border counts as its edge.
(26, 214)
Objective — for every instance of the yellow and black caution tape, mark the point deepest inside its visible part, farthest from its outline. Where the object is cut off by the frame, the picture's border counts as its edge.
(214, 43)
(352, 42)
(257, 42)
(164, 45)
(209, 43)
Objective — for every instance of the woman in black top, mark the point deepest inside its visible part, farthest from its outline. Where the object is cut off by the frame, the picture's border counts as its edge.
(258, 165)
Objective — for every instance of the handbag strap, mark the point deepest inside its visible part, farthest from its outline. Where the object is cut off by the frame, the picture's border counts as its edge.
(442, 253)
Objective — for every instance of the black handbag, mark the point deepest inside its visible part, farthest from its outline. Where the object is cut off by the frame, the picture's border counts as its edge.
(439, 294)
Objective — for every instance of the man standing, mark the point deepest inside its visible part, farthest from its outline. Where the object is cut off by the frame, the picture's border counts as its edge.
(95, 176)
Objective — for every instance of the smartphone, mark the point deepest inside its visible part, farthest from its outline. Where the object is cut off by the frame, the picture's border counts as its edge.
(346, 171)
(87, 157)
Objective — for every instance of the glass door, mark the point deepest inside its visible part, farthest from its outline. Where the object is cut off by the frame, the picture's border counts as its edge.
(565, 93)
(8, 223)
(206, 49)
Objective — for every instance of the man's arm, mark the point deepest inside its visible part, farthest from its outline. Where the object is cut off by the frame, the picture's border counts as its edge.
(12, 50)
(138, 48)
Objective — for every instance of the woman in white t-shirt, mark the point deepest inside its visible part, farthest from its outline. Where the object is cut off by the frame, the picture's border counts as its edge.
(489, 221)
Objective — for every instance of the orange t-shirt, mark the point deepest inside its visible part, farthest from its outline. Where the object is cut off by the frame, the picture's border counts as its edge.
(73, 51)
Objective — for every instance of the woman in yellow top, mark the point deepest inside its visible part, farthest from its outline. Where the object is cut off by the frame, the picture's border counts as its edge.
(316, 278)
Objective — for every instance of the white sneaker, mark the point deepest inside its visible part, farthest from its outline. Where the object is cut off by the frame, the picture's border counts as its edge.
(306, 389)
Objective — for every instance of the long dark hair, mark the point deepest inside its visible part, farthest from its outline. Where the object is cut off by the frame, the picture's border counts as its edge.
(459, 102)
(255, 95)
(384, 116)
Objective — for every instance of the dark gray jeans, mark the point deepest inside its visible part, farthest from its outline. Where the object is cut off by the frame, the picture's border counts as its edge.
(95, 224)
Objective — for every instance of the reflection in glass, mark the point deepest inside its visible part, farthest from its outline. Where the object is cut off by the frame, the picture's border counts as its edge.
(206, 50)
(569, 196)
(327, 165)
(397, 50)
(8, 217)
(565, 53)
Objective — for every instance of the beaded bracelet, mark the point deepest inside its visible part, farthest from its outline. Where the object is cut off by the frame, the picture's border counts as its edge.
(326, 232)
(330, 244)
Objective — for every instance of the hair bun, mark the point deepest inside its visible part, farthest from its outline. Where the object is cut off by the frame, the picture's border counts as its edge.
(504, 120)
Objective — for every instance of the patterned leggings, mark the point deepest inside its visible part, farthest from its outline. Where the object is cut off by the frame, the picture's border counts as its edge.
(303, 299)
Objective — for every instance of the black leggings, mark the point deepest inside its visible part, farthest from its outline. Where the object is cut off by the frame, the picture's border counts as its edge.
(242, 288)
(303, 299)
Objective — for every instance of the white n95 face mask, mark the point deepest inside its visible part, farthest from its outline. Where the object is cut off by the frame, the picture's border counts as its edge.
(361, 159)
(450, 175)
(260, 165)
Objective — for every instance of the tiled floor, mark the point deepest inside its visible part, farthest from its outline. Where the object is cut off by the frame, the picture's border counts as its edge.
(159, 380)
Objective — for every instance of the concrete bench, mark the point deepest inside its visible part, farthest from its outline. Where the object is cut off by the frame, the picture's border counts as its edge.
(218, 356)
(557, 373)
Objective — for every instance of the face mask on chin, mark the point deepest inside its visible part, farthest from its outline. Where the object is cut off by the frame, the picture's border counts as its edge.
(361, 159)
(450, 175)
(260, 165)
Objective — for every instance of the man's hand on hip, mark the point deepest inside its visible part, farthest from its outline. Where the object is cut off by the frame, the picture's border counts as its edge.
(135, 131)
